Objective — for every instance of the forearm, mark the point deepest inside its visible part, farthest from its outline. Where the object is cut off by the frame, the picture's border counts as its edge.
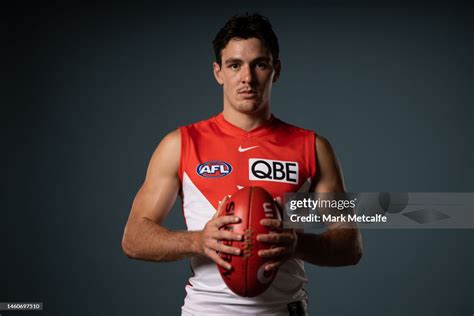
(147, 240)
(336, 247)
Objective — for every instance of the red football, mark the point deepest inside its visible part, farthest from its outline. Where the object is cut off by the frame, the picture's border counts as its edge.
(247, 276)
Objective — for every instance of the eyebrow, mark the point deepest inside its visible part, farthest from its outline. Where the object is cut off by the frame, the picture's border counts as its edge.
(233, 61)
(237, 60)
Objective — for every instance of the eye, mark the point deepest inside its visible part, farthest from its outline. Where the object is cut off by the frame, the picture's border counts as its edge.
(234, 66)
(262, 65)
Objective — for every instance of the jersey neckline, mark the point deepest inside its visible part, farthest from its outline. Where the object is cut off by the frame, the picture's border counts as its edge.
(234, 130)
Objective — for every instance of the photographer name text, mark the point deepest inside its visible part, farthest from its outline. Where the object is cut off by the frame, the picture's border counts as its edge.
(342, 218)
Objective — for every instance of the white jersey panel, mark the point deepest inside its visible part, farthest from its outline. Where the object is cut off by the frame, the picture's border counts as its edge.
(207, 294)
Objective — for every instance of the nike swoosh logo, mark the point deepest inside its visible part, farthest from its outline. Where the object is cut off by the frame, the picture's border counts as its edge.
(242, 150)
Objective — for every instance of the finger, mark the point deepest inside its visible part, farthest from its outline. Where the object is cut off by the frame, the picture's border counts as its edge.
(278, 202)
(271, 223)
(224, 220)
(273, 253)
(276, 238)
(222, 203)
(220, 247)
(215, 257)
(273, 265)
(219, 206)
(226, 235)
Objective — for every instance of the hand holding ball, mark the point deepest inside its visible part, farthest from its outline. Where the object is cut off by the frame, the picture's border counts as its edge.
(248, 276)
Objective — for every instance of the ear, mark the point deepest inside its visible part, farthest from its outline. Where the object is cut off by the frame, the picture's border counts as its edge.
(217, 73)
(277, 68)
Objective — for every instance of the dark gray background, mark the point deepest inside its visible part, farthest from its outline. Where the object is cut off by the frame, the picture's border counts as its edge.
(88, 91)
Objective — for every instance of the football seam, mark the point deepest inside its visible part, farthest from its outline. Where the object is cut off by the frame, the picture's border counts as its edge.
(249, 224)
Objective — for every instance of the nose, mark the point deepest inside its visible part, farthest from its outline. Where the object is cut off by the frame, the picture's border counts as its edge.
(247, 74)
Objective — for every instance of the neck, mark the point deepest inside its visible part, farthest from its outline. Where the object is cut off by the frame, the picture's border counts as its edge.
(247, 121)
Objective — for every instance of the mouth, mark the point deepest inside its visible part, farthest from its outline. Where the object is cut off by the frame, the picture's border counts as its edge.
(247, 94)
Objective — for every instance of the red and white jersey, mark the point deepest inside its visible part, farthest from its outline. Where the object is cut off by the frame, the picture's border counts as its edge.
(218, 158)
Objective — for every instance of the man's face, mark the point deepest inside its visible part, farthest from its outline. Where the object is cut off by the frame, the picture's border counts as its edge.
(247, 74)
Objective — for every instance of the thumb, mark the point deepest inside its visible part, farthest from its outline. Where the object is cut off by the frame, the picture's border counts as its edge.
(278, 202)
(221, 205)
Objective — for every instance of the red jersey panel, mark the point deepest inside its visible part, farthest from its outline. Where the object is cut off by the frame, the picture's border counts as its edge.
(218, 158)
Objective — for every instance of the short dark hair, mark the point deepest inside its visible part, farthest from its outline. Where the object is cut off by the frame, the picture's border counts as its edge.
(245, 27)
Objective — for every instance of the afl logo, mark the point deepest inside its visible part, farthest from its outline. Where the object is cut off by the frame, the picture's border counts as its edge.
(214, 169)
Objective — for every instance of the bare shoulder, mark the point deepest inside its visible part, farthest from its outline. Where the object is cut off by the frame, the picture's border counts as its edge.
(324, 149)
(329, 173)
(158, 192)
(172, 140)
(156, 196)
(165, 159)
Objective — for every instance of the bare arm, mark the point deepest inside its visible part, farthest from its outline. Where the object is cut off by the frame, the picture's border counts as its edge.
(339, 245)
(145, 238)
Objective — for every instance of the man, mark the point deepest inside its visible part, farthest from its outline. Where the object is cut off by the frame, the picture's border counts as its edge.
(206, 161)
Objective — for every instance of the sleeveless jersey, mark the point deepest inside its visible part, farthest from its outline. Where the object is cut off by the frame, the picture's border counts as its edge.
(217, 159)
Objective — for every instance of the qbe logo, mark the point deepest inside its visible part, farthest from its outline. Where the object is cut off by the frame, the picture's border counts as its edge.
(273, 170)
(214, 169)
